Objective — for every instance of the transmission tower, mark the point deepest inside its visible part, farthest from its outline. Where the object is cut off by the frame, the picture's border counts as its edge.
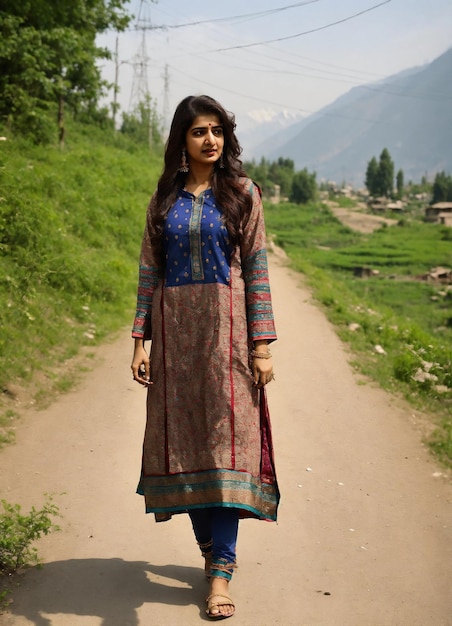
(140, 87)
(140, 62)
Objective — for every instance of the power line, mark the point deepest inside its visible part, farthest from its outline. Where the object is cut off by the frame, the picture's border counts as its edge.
(306, 32)
(232, 18)
(277, 104)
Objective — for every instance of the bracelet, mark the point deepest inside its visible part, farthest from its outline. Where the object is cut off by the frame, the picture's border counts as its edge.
(261, 355)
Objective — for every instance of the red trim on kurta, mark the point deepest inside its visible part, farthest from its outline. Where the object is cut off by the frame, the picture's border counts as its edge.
(162, 309)
(232, 383)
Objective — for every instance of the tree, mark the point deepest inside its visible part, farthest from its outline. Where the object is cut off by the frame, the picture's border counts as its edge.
(260, 173)
(386, 174)
(400, 183)
(143, 124)
(442, 188)
(380, 176)
(48, 57)
(372, 177)
(281, 173)
(304, 187)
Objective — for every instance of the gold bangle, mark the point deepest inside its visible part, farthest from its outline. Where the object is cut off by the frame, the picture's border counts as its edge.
(261, 355)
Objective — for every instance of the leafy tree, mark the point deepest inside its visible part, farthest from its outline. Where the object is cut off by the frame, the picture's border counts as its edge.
(372, 177)
(442, 188)
(268, 174)
(281, 173)
(48, 59)
(259, 172)
(400, 183)
(304, 187)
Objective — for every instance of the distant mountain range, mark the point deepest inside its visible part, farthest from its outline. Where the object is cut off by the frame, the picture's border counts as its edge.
(409, 113)
(259, 125)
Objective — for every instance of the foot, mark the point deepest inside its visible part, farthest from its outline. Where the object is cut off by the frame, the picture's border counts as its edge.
(219, 603)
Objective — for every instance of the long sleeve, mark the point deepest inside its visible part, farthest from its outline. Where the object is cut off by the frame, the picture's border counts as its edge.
(255, 272)
(148, 278)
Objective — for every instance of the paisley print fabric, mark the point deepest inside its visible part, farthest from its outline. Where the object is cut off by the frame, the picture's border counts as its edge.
(208, 437)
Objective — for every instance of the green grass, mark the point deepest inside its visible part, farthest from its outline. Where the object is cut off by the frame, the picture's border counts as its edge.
(70, 229)
(409, 318)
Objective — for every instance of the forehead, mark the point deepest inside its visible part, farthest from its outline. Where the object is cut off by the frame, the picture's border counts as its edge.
(207, 120)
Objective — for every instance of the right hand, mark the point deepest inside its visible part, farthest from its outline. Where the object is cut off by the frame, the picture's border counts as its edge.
(141, 367)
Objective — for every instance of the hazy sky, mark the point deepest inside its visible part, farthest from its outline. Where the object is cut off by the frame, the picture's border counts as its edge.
(301, 73)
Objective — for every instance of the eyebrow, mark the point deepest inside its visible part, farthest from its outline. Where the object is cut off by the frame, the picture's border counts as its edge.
(208, 126)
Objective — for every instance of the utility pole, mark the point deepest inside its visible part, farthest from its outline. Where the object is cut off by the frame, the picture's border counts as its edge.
(116, 86)
(165, 101)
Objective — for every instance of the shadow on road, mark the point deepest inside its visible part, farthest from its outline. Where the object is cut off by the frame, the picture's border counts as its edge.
(110, 589)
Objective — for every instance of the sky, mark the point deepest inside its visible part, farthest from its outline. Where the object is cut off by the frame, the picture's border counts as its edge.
(263, 56)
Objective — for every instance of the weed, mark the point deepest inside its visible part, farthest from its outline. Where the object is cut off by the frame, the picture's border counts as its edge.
(7, 434)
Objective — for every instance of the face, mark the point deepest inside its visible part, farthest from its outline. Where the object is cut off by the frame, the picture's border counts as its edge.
(204, 140)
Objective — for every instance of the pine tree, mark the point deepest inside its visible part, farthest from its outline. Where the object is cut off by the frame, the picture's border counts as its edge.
(371, 181)
(386, 174)
(442, 188)
(400, 183)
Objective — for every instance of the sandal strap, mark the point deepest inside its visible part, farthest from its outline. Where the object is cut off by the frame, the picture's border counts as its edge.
(219, 595)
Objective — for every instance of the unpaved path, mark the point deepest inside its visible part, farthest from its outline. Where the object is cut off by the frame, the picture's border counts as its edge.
(360, 221)
(364, 535)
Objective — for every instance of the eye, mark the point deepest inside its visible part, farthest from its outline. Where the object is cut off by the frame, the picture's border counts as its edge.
(218, 132)
(197, 133)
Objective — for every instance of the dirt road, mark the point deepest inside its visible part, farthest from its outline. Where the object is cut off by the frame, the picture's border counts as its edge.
(359, 220)
(364, 535)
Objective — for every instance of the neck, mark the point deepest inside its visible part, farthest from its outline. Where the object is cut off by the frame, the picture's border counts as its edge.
(199, 175)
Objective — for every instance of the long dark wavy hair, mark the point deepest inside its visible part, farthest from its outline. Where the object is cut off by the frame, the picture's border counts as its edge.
(229, 192)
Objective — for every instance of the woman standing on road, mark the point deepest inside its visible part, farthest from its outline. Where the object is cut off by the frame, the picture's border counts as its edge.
(204, 301)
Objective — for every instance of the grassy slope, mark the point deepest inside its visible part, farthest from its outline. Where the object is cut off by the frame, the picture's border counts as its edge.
(409, 319)
(70, 230)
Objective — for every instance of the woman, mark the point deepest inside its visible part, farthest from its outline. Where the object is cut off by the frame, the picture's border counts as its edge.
(204, 301)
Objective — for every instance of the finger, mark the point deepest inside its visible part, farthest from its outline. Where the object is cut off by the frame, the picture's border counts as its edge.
(255, 374)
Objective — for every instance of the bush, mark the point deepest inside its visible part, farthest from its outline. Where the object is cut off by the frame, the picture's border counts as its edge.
(405, 366)
(18, 532)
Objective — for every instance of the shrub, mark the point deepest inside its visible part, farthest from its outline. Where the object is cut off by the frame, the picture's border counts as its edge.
(19, 531)
(405, 366)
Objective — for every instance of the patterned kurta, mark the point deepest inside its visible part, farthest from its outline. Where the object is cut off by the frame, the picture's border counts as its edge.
(208, 439)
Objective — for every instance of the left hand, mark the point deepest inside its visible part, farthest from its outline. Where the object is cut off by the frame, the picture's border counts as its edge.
(262, 371)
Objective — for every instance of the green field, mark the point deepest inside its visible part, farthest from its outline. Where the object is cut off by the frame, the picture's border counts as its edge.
(406, 316)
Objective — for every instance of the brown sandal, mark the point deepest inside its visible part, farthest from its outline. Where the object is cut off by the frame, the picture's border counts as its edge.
(212, 603)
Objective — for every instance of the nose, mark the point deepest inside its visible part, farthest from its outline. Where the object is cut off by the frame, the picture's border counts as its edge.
(210, 138)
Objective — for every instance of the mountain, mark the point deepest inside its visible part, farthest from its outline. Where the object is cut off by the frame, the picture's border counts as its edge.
(409, 113)
(259, 125)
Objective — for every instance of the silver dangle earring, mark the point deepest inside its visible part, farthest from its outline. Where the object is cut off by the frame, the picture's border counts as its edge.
(183, 164)
(221, 162)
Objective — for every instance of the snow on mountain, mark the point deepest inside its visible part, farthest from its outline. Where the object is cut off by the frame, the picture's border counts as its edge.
(257, 126)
